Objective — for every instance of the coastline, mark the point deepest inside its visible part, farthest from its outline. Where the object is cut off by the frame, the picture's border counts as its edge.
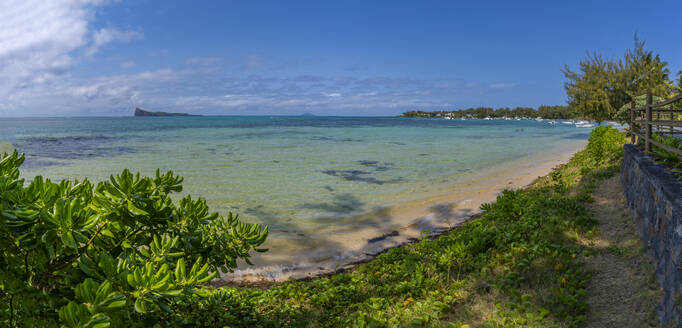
(437, 214)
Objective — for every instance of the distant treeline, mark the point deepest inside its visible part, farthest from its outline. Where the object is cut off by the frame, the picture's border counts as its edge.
(551, 112)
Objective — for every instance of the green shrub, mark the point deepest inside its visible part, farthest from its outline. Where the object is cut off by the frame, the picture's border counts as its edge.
(672, 160)
(120, 253)
(605, 144)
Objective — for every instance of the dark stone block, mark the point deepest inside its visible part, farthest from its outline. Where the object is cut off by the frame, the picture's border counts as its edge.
(655, 200)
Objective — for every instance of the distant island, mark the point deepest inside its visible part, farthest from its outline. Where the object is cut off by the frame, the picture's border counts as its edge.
(142, 112)
(545, 112)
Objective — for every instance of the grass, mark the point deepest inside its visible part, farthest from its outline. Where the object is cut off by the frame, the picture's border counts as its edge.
(623, 289)
(522, 263)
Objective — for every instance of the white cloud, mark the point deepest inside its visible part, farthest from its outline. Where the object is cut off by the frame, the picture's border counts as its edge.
(108, 35)
(37, 38)
(331, 95)
(502, 85)
(128, 64)
(201, 60)
(40, 41)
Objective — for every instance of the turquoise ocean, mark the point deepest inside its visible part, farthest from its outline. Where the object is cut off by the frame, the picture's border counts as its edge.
(326, 186)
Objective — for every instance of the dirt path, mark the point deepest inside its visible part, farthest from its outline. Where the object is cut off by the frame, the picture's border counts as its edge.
(623, 291)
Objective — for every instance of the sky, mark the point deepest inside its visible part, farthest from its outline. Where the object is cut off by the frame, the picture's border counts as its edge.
(104, 58)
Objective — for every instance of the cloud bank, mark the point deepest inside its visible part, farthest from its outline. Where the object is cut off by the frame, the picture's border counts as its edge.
(43, 42)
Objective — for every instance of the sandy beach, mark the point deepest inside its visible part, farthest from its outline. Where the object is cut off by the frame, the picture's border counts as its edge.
(394, 226)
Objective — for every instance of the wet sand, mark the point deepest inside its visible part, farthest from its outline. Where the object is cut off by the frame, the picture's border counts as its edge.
(341, 246)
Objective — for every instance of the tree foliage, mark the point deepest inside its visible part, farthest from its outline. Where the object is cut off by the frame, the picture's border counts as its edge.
(623, 115)
(601, 86)
(591, 92)
(644, 72)
(120, 253)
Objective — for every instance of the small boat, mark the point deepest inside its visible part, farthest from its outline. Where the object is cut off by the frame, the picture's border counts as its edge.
(539, 119)
(552, 122)
(463, 119)
(567, 122)
(447, 118)
(488, 118)
(584, 125)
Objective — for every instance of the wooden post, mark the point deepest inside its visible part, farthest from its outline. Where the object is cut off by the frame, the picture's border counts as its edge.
(632, 123)
(672, 129)
(647, 140)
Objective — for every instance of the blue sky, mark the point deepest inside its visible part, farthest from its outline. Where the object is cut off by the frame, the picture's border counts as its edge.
(98, 57)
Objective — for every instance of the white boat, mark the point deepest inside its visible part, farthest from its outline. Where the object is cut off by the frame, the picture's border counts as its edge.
(539, 119)
(447, 118)
(567, 122)
(552, 122)
(584, 125)
(488, 118)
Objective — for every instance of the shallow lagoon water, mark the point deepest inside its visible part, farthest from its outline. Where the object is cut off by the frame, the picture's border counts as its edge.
(319, 183)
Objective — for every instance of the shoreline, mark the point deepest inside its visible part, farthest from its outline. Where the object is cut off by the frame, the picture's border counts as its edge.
(437, 214)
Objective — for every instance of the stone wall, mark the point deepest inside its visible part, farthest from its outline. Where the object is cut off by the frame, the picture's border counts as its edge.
(655, 200)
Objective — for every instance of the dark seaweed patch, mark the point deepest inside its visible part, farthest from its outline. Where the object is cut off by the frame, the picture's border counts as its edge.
(72, 147)
(325, 138)
(368, 163)
(263, 134)
(37, 163)
(357, 175)
(379, 167)
(259, 212)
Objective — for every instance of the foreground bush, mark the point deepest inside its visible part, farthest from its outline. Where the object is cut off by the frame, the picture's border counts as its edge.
(120, 253)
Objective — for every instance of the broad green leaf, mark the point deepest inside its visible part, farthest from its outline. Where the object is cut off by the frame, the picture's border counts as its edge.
(139, 306)
(68, 240)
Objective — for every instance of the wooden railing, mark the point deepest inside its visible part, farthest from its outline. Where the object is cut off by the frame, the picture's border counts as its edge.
(667, 120)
